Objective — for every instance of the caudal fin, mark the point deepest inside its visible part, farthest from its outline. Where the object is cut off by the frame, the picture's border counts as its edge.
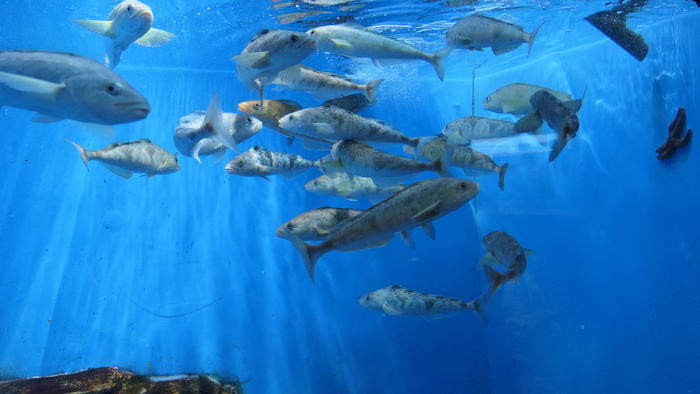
(310, 253)
(438, 61)
(531, 39)
(371, 90)
(214, 123)
(442, 165)
(502, 176)
(495, 278)
(84, 156)
(478, 307)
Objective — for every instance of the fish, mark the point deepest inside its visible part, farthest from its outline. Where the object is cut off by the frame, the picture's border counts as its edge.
(514, 98)
(477, 32)
(471, 161)
(260, 162)
(505, 250)
(676, 139)
(418, 205)
(358, 158)
(315, 225)
(397, 300)
(353, 40)
(197, 135)
(353, 103)
(268, 53)
(295, 16)
(337, 124)
(323, 85)
(126, 158)
(350, 187)
(464, 130)
(129, 22)
(60, 85)
(561, 116)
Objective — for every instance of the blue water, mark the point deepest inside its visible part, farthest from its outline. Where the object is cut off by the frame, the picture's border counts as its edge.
(183, 273)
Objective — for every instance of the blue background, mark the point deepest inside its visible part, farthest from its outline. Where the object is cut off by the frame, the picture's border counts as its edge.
(183, 273)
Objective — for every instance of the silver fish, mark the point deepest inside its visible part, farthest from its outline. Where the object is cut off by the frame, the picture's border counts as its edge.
(464, 130)
(397, 300)
(502, 249)
(260, 162)
(353, 103)
(353, 40)
(350, 187)
(65, 86)
(323, 85)
(477, 32)
(337, 124)
(315, 225)
(130, 21)
(417, 205)
(126, 158)
(515, 98)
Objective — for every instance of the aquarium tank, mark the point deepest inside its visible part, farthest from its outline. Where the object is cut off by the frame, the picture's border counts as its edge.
(436, 196)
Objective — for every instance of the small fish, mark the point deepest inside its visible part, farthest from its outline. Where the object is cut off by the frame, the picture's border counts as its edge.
(417, 205)
(477, 32)
(323, 85)
(353, 103)
(315, 225)
(268, 53)
(397, 300)
(675, 139)
(130, 21)
(471, 161)
(337, 124)
(126, 158)
(260, 162)
(353, 40)
(360, 159)
(515, 98)
(464, 130)
(65, 86)
(505, 250)
(350, 187)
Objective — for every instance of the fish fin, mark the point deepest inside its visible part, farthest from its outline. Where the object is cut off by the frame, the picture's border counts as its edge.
(44, 90)
(334, 164)
(406, 237)
(686, 138)
(502, 176)
(389, 310)
(84, 153)
(104, 131)
(126, 174)
(214, 123)
(504, 49)
(528, 252)
(388, 62)
(371, 90)
(488, 259)
(310, 253)
(265, 177)
(219, 155)
(197, 147)
(559, 144)
(321, 232)
(154, 38)
(495, 278)
(531, 38)
(429, 229)
(43, 118)
(528, 123)
(438, 61)
(253, 59)
(323, 128)
(354, 25)
(574, 105)
(478, 307)
(103, 28)
(317, 144)
(409, 150)
(261, 92)
(442, 165)
(429, 212)
(341, 44)
(290, 141)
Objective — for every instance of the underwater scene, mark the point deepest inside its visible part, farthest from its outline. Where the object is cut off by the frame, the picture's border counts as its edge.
(349, 196)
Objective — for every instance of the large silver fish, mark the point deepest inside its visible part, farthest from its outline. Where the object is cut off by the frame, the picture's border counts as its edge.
(503, 250)
(397, 300)
(354, 40)
(260, 162)
(317, 224)
(323, 85)
(126, 158)
(415, 206)
(464, 130)
(350, 187)
(60, 86)
(130, 21)
(337, 124)
(477, 32)
(515, 98)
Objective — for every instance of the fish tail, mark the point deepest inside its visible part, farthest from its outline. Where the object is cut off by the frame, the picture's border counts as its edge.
(495, 278)
(84, 154)
(442, 164)
(310, 253)
(371, 90)
(531, 38)
(214, 123)
(502, 176)
(478, 307)
(438, 61)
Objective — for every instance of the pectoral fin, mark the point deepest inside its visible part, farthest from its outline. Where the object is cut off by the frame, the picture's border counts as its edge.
(429, 229)
(126, 174)
(389, 310)
(321, 232)
(155, 38)
(488, 259)
(341, 44)
(335, 164)
(504, 49)
(43, 90)
(428, 213)
(406, 236)
(574, 105)
(100, 27)
(528, 252)
(253, 59)
(197, 147)
(323, 129)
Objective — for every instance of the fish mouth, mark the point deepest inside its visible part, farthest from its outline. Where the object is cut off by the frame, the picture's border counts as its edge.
(229, 168)
(280, 232)
(145, 14)
(141, 109)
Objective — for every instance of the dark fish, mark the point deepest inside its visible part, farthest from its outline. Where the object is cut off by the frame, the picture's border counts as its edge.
(353, 103)
(676, 139)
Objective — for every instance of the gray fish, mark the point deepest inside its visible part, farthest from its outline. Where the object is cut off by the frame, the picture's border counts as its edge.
(463, 130)
(350, 187)
(417, 205)
(515, 98)
(477, 32)
(360, 159)
(337, 124)
(65, 86)
(126, 158)
(315, 225)
(353, 103)
(399, 301)
(260, 162)
(323, 85)
(503, 249)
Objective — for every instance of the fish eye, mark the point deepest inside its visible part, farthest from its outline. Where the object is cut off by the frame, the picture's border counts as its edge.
(257, 147)
(315, 183)
(240, 163)
(249, 120)
(257, 106)
(463, 185)
(312, 32)
(112, 89)
(290, 226)
(293, 38)
(129, 9)
(291, 117)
